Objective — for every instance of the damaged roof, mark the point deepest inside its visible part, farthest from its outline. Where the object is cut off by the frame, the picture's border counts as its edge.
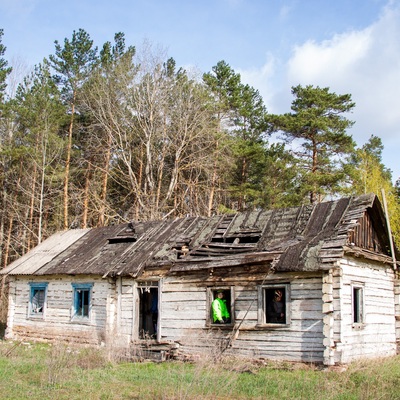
(305, 238)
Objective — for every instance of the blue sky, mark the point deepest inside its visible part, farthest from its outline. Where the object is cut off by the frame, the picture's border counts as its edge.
(350, 46)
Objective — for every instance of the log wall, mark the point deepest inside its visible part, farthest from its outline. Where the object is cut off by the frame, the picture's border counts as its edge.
(375, 336)
(57, 322)
(320, 328)
(185, 310)
(397, 310)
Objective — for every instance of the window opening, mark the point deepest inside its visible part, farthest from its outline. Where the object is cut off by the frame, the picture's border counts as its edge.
(275, 305)
(37, 298)
(148, 310)
(221, 306)
(82, 299)
(357, 305)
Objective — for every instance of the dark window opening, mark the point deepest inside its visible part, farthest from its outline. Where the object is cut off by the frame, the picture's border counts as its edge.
(275, 305)
(148, 312)
(221, 306)
(357, 305)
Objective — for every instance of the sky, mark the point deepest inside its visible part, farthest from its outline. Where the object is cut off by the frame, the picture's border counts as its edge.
(350, 46)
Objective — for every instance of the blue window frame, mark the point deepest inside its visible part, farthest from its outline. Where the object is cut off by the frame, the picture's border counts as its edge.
(37, 298)
(82, 299)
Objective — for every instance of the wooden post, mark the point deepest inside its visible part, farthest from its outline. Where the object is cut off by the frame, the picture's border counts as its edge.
(389, 230)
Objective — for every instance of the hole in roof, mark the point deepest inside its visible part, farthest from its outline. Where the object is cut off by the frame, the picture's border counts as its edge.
(121, 240)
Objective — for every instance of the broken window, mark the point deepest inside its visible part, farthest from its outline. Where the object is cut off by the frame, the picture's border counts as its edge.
(221, 306)
(358, 304)
(274, 307)
(37, 298)
(82, 299)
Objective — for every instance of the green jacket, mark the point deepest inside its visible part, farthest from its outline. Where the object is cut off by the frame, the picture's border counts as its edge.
(219, 310)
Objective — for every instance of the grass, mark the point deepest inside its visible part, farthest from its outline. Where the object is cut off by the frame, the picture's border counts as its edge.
(56, 371)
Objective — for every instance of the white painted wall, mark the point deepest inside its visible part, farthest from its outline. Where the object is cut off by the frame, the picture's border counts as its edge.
(376, 336)
(57, 321)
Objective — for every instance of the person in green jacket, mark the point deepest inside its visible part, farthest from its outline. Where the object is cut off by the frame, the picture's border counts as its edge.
(219, 310)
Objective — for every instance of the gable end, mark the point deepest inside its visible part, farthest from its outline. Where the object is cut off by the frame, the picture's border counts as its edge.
(365, 236)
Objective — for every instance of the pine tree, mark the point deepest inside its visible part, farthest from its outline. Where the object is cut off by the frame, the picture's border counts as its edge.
(318, 126)
(74, 62)
(241, 114)
(4, 70)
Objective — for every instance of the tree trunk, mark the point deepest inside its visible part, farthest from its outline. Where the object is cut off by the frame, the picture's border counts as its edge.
(103, 194)
(86, 195)
(32, 203)
(313, 193)
(213, 184)
(68, 162)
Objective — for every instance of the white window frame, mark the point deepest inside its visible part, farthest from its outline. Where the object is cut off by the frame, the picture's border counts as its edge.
(262, 305)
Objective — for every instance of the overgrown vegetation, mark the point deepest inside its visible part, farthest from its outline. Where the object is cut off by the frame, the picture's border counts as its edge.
(56, 371)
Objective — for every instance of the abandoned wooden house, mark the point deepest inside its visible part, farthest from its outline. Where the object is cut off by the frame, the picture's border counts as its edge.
(329, 266)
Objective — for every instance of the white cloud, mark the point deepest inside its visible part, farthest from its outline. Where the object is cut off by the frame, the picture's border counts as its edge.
(364, 63)
(261, 78)
(330, 60)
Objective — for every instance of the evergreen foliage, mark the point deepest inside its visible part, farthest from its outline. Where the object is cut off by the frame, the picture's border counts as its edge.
(317, 125)
(94, 138)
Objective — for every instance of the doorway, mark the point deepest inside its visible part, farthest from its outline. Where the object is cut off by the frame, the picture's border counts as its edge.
(148, 310)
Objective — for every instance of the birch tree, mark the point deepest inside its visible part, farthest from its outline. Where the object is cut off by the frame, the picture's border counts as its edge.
(39, 115)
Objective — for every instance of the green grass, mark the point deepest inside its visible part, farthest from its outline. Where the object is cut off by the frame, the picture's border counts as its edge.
(59, 372)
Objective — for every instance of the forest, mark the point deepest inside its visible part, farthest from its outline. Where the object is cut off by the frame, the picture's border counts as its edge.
(100, 135)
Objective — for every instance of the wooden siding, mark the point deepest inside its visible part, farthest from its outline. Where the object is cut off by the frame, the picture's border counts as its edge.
(57, 322)
(375, 337)
(397, 310)
(185, 310)
(365, 236)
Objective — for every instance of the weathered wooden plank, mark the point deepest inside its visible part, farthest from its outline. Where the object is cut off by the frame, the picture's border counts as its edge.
(183, 296)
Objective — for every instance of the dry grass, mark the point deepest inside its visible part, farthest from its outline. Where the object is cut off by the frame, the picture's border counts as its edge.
(67, 372)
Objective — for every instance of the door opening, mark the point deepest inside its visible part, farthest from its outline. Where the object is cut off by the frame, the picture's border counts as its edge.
(148, 311)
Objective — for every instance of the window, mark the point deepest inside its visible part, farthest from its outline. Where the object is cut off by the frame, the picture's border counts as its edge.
(221, 306)
(274, 303)
(358, 304)
(82, 300)
(37, 300)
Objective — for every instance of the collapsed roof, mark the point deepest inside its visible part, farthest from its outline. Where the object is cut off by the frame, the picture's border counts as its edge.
(305, 238)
